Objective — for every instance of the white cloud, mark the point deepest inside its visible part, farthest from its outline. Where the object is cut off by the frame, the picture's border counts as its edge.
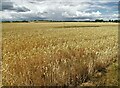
(115, 15)
(6, 16)
(83, 15)
(52, 9)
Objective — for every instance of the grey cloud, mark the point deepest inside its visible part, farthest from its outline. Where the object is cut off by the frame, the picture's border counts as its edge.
(36, 1)
(10, 6)
(7, 5)
(22, 9)
(85, 17)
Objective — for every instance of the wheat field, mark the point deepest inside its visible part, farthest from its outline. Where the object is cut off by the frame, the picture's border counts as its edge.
(59, 54)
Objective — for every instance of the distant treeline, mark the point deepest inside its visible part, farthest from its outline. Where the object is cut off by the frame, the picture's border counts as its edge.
(14, 21)
(97, 20)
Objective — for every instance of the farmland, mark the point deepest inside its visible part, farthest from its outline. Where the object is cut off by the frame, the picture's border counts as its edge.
(60, 54)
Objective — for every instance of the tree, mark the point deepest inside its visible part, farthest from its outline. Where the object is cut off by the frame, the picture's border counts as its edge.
(99, 20)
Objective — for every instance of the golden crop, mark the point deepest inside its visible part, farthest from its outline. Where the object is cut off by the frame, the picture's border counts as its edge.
(58, 53)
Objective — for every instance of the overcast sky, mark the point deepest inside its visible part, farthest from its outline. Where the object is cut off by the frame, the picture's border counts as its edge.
(70, 10)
